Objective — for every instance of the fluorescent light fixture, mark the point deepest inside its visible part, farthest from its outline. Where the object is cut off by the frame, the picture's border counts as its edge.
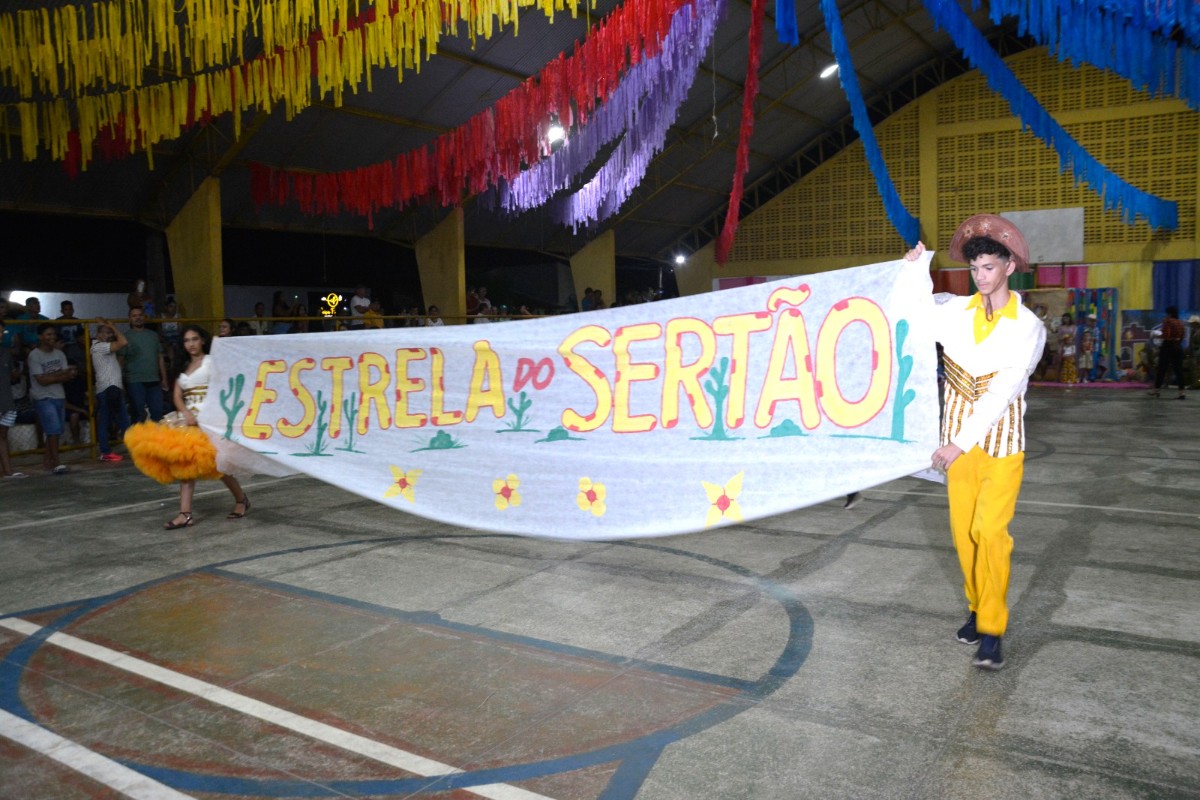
(680, 259)
(556, 133)
(832, 68)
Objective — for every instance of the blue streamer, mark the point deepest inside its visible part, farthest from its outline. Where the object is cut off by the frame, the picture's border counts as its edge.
(1137, 39)
(905, 223)
(1116, 193)
(785, 22)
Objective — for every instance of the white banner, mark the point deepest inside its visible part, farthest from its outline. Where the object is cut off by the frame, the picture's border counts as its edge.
(645, 420)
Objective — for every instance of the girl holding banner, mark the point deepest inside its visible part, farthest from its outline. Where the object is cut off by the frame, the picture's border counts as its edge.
(176, 449)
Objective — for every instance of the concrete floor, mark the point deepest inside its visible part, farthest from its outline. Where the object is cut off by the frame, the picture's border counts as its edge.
(328, 647)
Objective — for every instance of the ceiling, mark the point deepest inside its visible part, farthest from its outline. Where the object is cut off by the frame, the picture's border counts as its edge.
(800, 120)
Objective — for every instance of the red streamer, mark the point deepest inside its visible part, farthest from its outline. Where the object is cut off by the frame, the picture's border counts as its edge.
(496, 143)
(742, 163)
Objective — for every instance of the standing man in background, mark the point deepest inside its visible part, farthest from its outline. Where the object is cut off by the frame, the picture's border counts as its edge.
(1193, 351)
(1170, 354)
(8, 405)
(49, 369)
(110, 396)
(360, 303)
(71, 335)
(145, 368)
(30, 319)
(991, 344)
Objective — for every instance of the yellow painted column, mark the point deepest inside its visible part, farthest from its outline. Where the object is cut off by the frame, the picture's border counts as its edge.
(695, 276)
(595, 266)
(194, 244)
(442, 264)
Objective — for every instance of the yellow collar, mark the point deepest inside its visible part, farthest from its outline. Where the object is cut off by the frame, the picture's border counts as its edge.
(1009, 310)
(983, 326)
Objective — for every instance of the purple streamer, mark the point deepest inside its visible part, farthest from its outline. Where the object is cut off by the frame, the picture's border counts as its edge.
(651, 92)
(675, 72)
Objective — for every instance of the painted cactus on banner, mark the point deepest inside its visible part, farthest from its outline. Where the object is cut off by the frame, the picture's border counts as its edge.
(638, 421)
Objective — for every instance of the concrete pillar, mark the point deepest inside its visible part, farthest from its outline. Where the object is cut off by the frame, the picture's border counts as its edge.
(442, 264)
(194, 243)
(595, 266)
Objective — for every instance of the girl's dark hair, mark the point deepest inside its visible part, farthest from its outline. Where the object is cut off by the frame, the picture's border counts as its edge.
(205, 336)
(181, 359)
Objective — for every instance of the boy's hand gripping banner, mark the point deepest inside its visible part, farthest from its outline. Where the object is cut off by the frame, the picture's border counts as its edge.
(644, 420)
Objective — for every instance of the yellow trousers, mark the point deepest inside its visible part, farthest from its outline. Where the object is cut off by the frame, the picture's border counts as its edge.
(983, 497)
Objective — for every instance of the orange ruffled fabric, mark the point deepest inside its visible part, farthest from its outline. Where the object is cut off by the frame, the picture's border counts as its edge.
(172, 454)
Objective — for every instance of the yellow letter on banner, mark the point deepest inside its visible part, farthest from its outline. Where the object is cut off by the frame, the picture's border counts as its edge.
(790, 337)
(437, 398)
(298, 429)
(841, 411)
(487, 368)
(373, 393)
(406, 386)
(630, 372)
(592, 376)
(676, 376)
(337, 366)
(739, 326)
(251, 427)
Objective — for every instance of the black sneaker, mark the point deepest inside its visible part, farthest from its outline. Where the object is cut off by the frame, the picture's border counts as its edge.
(852, 500)
(967, 633)
(989, 655)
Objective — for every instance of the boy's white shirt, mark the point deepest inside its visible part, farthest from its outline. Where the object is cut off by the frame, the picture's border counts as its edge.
(1012, 351)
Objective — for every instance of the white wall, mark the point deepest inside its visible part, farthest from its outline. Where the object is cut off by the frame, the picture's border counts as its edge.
(88, 305)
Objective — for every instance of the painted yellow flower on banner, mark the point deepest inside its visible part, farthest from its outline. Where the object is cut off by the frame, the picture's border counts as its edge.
(591, 497)
(724, 500)
(403, 484)
(506, 492)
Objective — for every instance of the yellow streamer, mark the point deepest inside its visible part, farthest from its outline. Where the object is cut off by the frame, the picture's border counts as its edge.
(53, 52)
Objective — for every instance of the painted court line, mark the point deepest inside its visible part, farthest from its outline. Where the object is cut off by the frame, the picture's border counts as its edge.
(386, 754)
(103, 770)
(144, 504)
(1117, 509)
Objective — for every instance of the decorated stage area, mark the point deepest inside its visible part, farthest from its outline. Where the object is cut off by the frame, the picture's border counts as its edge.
(329, 646)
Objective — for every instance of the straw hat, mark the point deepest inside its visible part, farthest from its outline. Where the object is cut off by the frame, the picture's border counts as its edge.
(998, 229)
(1193, 320)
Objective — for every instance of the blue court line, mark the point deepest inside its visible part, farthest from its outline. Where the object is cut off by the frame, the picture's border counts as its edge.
(433, 619)
(792, 657)
(630, 775)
